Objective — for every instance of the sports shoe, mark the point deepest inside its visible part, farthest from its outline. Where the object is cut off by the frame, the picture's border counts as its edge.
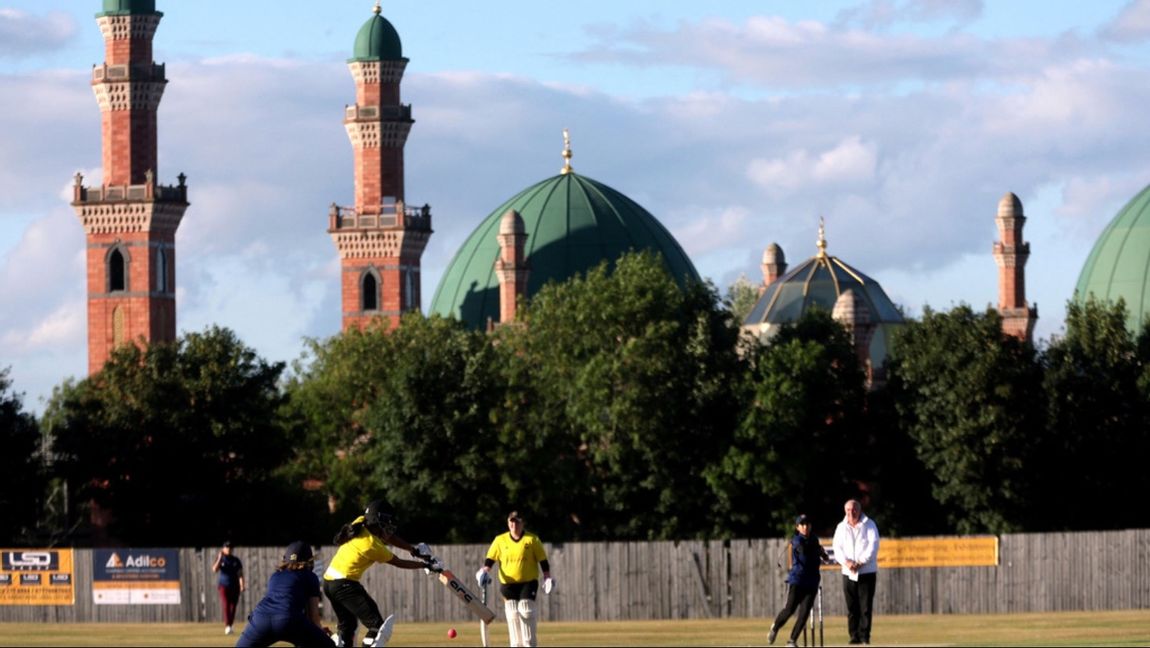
(772, 634)
(791, 644)
(228, 630)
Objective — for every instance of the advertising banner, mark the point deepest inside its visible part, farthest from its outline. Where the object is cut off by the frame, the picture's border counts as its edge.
(36, 577)
(943, 551)
(136, 576)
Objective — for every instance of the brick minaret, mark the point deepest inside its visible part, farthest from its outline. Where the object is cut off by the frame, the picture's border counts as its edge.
(511, 266)
(130, 221)
(1011, 253)
(380, 239)
(774, 265)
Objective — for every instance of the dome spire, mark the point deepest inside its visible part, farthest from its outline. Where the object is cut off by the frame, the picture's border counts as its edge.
(566, 153)
(822, 242)
(378, 9)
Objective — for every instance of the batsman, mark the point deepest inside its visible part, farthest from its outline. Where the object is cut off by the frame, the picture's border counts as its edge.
(521, 558)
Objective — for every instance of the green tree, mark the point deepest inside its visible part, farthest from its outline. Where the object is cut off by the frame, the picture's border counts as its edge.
(970, 398)
(619, 392)
(741, 299)
(798, 445)
(403, 415)
(1096, 427)
(22, 479)
(176, 444)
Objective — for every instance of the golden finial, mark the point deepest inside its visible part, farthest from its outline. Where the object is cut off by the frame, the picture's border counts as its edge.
(566, 153)
(822, 238)
(378, 9)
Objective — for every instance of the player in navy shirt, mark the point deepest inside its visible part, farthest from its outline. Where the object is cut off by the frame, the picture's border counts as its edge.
(290, 609)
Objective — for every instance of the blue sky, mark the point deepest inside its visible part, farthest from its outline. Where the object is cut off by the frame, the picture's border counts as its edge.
(738, 124)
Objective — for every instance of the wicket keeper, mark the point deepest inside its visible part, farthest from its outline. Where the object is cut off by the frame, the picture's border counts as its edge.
(521, 557)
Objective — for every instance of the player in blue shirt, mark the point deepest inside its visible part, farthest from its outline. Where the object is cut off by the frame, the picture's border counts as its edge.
(290, 609)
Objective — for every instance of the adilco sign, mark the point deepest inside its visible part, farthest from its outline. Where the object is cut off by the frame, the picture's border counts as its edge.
(136, 576)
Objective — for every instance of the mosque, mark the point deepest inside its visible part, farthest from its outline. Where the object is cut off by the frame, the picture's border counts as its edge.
(555, 229)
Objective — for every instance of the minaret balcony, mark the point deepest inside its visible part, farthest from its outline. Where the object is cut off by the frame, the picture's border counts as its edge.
(128, 72)
(131, 193)
(401, 112)
(391, 216)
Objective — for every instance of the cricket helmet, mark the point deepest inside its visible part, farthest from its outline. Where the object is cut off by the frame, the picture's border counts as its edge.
(379, 519)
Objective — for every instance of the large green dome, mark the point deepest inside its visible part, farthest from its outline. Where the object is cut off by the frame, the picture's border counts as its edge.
(132, 7)
(573, 223)
(377, 41)
(1119, 264)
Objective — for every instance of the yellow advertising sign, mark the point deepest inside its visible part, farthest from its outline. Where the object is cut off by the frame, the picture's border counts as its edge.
(37, 577)
(942, 551)
(952, 551)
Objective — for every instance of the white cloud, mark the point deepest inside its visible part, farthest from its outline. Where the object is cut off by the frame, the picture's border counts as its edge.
(1131, 25)
(23, 34)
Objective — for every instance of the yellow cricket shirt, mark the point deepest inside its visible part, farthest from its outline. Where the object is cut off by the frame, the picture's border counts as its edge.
(356, 555)
(518, 561)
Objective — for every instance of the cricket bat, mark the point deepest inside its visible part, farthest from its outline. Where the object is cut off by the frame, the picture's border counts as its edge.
(460, 590)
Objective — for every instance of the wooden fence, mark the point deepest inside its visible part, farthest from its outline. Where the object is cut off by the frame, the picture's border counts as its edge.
(684, 580)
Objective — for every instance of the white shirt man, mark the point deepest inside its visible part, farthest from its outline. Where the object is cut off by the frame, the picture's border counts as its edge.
(856, 550)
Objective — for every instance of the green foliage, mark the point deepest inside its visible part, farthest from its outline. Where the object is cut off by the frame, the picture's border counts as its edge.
(970, 399)
(741, 299)
(402, 415)
(798, 446)
(22, 479)
(175, 444)
(618, 396)
(1097, 434)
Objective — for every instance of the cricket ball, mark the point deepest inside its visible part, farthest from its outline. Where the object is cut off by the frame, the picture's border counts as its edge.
(451, 633)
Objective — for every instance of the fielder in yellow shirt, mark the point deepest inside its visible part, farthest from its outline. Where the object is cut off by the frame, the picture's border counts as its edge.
(521, 557)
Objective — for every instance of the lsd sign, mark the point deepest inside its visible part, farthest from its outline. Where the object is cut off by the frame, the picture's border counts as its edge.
(136, 576)
(36, 577)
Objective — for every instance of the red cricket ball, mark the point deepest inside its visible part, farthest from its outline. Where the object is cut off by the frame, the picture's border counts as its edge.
(451, 633)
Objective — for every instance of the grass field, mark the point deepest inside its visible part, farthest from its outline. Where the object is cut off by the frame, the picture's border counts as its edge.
(1122, 628)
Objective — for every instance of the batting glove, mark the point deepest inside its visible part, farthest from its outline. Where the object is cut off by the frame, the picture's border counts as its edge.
(433, 565)
(548, 585)
(482, 577)
(421, 551)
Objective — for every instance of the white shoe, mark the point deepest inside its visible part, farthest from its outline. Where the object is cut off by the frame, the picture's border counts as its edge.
(383, 635)
(228, 630)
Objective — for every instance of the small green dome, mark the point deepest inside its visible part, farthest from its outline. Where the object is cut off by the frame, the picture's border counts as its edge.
(132, 7)
(1119, 264)
(573, 223)
(377, 41)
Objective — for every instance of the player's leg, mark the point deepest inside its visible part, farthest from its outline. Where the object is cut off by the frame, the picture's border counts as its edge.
(785, 613)
(257, 633)
(345, 618)
(526, 611)
(300, 631)
(806, 598)
(528, 621)
(511, 611)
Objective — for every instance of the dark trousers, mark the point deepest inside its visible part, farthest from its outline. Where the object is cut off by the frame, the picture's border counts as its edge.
(801, 599)
(263, 630)
(860, 601)
(351, 602)
(229, 598)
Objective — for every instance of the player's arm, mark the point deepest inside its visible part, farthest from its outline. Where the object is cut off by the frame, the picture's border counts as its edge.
(219, 558)
(313, 611)
(240, 575)
(396, 561)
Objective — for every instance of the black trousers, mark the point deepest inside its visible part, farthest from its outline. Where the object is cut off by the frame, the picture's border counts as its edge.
(860, 602)
(801, 599)
(351, 602)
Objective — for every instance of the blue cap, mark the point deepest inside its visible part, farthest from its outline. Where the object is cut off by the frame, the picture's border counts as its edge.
(802, 519)
(298, 551)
